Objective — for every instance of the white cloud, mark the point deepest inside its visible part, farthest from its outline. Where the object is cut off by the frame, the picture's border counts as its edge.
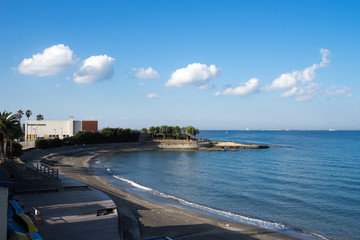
(312, 90)
(196, 74)
(303, 94)
(95, 69)
(338, 91)
(246, 88)
(291, 79)
(145, 73)
(290, 93)
(141, 84)
(325, 54)
(309, 92)
(286, 80)
(152, 95)
(51, 62)
(58, 85)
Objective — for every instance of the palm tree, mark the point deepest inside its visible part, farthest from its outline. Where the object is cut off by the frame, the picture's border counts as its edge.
(28, 113)
(154, 131)
(39, 117)
(9, 129)
(165, 130)
(19, 115)
(191, 131)
(177, 131)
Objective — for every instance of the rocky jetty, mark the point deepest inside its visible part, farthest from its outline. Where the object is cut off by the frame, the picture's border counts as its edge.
(231, 146)
(202, 145)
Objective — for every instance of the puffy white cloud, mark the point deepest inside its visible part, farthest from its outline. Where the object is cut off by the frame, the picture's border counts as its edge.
(324, 59)
(286, 80)
(152, 95)
(291, 79)
(145, 73)
(196, 74)
(50, 62)
(306, 93)
(95, 69)
(290, 93)
(338, 91)
(246, 88)
(312, 90)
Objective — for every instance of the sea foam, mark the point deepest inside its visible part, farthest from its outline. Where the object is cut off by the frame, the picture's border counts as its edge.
(228, 216)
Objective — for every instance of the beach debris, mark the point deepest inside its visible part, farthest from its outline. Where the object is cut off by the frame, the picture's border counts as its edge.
(105, 211)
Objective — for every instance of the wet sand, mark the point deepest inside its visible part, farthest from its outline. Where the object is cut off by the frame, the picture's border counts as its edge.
(139, 218)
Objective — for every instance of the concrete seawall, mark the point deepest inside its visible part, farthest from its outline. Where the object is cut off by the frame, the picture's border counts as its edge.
(172, 144)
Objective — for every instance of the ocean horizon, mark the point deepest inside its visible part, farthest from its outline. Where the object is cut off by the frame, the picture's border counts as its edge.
(309, 188)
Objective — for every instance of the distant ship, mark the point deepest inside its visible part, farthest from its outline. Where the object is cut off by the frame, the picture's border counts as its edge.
(331, 130)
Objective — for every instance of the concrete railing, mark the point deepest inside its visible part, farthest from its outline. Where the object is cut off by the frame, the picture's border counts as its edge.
(47, 170)
(178, 145)
(27, 145)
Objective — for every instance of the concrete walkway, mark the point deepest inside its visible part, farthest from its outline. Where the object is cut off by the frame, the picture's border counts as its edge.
(73, 214)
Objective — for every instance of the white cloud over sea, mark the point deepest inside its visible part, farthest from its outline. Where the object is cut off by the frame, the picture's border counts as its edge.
(298, 84)
(246, 88)
(152, 95)
(142, 73)
(95, 69)
(291, 79)
(338, 91)
(195, 75)
(51, 61)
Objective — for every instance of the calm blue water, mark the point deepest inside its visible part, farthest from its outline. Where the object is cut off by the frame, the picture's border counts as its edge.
(312, 186)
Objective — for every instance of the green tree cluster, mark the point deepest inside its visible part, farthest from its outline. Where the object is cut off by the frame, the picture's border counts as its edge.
(107, 135)
(173, 132)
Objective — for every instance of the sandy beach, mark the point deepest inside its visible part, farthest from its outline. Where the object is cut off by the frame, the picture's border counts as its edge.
(139, 218)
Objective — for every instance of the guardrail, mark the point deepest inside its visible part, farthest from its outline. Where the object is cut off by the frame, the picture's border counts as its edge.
(47, 170)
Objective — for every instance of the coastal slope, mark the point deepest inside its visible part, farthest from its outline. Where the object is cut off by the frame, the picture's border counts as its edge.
(139, 218)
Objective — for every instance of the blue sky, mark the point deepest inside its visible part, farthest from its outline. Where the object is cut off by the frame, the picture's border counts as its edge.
(211, 64)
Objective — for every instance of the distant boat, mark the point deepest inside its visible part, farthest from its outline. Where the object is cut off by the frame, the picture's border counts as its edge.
(331, 130)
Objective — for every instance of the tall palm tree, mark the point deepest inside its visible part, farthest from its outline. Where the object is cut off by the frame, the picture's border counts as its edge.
(28, 113)
(9, 129)
(19, 115)
(39, 117)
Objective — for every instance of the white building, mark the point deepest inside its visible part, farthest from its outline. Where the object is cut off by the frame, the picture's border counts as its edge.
(56, 129)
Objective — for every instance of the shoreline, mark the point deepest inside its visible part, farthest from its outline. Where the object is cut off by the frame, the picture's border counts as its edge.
(140, 218)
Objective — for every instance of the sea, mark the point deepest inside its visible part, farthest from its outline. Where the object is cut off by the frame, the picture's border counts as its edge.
(308, 187)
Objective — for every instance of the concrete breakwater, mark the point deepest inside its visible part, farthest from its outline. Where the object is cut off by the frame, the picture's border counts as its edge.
(204, 145)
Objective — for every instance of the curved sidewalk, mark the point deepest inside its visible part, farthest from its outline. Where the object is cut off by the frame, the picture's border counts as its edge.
(73, 214)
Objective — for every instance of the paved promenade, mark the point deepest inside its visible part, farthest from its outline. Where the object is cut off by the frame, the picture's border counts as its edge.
(72, 214)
